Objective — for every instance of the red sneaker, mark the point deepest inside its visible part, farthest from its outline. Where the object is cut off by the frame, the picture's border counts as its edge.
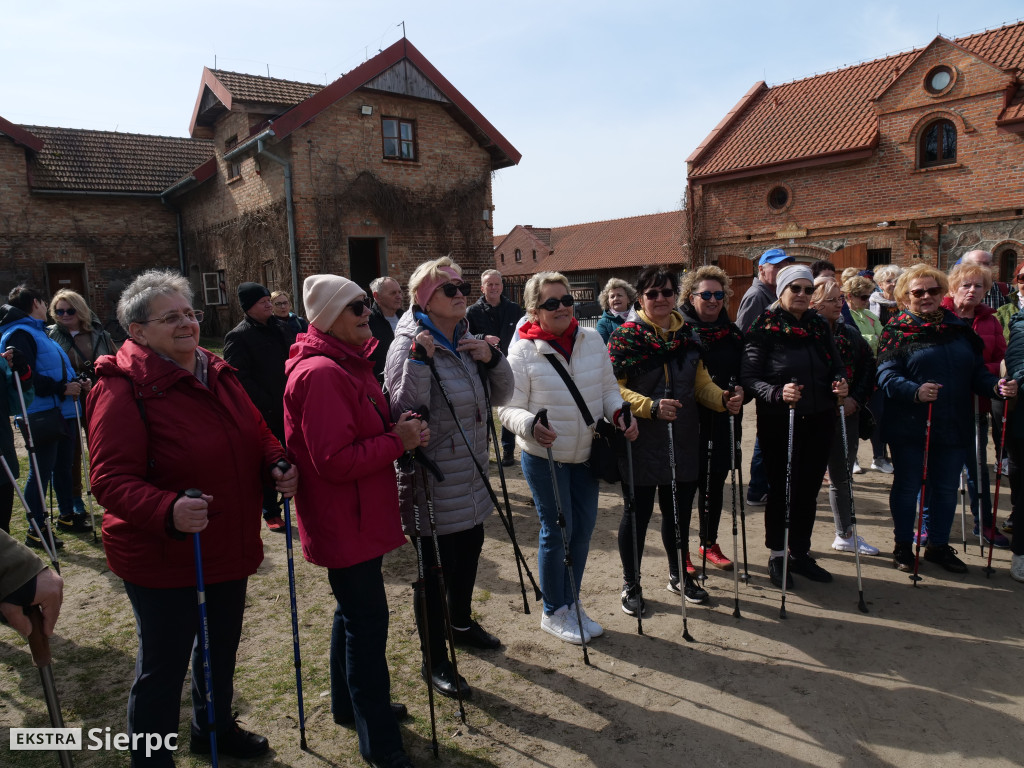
(716, 558)
(275, 524)
(689, 565)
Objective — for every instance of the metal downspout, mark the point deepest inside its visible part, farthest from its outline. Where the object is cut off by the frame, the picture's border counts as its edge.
(290, 213)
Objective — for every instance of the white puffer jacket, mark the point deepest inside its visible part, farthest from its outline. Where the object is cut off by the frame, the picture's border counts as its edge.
(538, 385)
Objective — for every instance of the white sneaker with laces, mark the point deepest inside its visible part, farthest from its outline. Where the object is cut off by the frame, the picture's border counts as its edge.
(1017, 568)
(882, 465)
(558, 624)
(845, 544)
(591, 628)
(857, 468)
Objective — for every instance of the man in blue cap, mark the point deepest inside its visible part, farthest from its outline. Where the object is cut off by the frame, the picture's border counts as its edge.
(755, 301)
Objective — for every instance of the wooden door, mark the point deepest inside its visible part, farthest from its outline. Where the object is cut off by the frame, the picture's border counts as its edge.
(69, 276)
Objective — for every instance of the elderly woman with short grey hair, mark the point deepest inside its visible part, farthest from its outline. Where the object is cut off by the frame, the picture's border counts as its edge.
(167, 415)
(616, 299)
(883, 302)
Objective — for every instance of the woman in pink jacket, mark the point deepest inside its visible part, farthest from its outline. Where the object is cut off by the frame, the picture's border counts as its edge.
(968, 285)
(340, 436)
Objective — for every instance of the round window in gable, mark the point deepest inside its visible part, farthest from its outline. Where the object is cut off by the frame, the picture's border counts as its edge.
(939, 79)
(778, 198)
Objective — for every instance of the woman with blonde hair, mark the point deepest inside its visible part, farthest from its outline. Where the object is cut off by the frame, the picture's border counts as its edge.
(552, 339)
(930, 362)
(857, 290)
(433, 348)
(616, 299)
(704, 304)
(80, 335)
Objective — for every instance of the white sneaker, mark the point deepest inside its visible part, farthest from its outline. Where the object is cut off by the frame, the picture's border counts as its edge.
(856, 468)
(1004, 468)
(845, 544)
(882, 465)
(558, 624)
(591, 628)
(1017, 568)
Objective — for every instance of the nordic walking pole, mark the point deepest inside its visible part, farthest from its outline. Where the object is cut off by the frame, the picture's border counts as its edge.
(963, 507)
(924, 481)
(85, 466)
(675, 516)
(32, 521)
(732, 473)
(35, 465)
(501, 477)
(542, 417)
(853, 512)
(421, 355)
(439, 570)
(995, 499)
(789, 503)
(204, 629)
(977, 475)
(420, 595)
(737, 465)
(284, 466)
(39, 645)
(627, 418)
(705, 517)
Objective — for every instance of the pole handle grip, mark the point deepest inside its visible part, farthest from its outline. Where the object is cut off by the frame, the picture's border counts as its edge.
(283, 465)
(194, 493)
(542, 417)
(38, 643)
(627, 414)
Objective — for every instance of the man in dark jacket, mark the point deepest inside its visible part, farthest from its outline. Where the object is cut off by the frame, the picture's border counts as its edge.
(384, 314)
(258, 348)
(496, 315)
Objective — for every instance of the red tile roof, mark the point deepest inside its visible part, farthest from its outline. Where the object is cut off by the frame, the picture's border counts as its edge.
(72, 159)
(656, 238)
(19, 135)
(265, 90)
(824, 115)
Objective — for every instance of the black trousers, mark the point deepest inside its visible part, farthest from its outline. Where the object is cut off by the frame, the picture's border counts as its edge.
(644, 508)
(460, 555)
(167, 624)
(812, 444)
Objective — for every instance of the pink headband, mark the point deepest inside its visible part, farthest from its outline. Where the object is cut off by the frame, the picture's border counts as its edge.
(427, 287)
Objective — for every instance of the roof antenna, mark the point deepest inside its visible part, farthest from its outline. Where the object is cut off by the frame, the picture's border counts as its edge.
(268, 69)
(402, 25)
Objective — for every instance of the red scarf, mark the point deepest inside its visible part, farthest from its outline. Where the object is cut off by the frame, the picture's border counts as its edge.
(562, 343)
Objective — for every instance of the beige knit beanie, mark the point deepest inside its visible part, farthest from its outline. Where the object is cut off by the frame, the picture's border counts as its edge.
(326, 296)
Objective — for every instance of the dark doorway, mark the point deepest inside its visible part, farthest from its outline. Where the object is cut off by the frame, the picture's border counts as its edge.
(1007, 263)
(365, 260)
(69, 276)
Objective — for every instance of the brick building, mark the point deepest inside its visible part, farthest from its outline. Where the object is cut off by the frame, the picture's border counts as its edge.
(588, 254)
(82, 209)
(914, 156)
(370, 175)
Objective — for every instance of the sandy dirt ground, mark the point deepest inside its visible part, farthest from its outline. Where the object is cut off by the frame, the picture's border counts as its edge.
(930, 676)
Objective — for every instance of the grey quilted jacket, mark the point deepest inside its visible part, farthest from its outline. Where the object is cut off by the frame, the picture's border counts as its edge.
(461, 501)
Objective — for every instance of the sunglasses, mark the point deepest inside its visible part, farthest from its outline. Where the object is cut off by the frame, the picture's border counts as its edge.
(61, 312)
(920, 293)
(552, 304)
(450, 289)
(359, 307)
(798, 289)
(1020, 278)
(654, 293)
(709, 295)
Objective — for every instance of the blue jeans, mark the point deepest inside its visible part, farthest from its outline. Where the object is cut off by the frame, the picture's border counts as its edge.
(944, 464)
(167, 623)
(360, 681)
(757, 483)
(578, 490)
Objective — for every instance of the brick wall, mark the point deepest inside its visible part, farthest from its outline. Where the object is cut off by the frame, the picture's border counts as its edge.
(113, 238)
(975, 202)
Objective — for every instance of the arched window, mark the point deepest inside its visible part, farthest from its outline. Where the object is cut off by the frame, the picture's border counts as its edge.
(937, 145)
(519, 255)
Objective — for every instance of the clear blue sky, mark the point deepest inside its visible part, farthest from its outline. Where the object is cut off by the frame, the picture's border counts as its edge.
(605, 100)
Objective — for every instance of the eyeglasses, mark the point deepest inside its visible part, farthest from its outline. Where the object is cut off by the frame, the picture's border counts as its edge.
(798, 289)
(177, 318)
(1019, 278)
(359, 307)
(833, 300)
(450, 289)
(61, 312)
(654, 293)
(282, 303)
(552, 304)
(920, 293)
(709, 295)
(865, 297)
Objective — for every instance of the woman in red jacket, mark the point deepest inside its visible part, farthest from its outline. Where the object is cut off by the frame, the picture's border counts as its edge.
(341, 438)
(969, 283)
(166, 416)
